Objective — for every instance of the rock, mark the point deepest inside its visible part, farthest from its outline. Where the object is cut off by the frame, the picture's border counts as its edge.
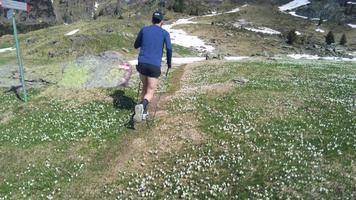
(214, 56)
(316, 46)
(240, 81)
(229, 34)
(125, 50)
(68, 51)
(30, 41)
(213, 41)
(112, 56)
(263, 54)
(52, 54)
(110, 29)
(104, 70)
(54, 42)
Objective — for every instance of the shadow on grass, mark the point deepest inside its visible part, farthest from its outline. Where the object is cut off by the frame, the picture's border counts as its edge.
(121, 101)
(15, 89)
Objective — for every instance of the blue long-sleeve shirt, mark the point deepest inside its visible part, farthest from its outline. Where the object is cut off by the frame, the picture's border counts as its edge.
(151, 41)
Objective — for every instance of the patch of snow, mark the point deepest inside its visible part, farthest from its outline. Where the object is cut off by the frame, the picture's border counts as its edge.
(214, 13)
(187, 60)
(352, 25)
(338, 59)
(184, 21)
(96, 6)
(240, 23)
(293, 5)
(319, 30)
(263, 30)
(289, 7)
(180, 37)
(315, 57)
(234, 10)
(7, 49)
(234, 58)
(72, 32)
(177, 61)
(293, 13)
(244, 6)
(298, 33)
(303, 56)
(352, 3)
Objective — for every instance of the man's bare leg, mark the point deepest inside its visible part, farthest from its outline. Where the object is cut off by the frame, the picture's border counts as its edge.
(151, 88)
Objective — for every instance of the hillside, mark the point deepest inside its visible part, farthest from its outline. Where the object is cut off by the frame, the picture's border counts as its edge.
(241, 115)
(46, 13)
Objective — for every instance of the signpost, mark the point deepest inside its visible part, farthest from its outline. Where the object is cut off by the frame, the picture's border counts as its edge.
(15, 5)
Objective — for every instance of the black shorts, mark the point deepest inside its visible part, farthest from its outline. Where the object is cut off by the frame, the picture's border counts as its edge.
(148, 70)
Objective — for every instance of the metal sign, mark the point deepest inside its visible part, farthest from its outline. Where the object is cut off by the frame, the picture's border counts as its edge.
(9, 13)
(15, 5)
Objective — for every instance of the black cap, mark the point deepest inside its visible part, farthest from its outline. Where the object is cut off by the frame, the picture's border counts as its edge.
(157, 15)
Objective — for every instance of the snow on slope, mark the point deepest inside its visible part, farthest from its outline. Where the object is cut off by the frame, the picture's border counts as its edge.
(234, 10)
(214, 13)
(293, 5)
(72, 32)
(96, 6)
(352, 25)
(182, 38)
(263, 30)
(319, 30)
(7, 49)
(289, 7)
(315, 57)
(189, 60)
(293, 13)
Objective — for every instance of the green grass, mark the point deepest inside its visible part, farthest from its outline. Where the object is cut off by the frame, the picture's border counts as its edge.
(287, 133)
(51, 45)
(50, 142)
(5, 45)
(297, 132)
(183, 51)
(6, 59)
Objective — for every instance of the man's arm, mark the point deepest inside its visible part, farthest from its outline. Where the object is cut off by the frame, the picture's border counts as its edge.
(138, 41)
(169, 50)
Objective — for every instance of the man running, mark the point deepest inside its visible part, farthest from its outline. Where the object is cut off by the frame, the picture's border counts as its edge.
(151, 40)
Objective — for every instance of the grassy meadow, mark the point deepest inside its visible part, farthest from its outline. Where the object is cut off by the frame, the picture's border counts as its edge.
(268, 130)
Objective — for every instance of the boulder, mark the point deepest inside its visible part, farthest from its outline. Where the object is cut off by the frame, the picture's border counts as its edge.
(214, 56)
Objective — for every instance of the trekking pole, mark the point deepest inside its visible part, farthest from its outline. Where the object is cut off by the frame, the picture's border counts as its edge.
(159, 96)
(138, 91)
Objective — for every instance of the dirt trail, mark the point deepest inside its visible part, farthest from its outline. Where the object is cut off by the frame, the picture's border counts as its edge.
(148, 144)
(172, 131)
(143, 147)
